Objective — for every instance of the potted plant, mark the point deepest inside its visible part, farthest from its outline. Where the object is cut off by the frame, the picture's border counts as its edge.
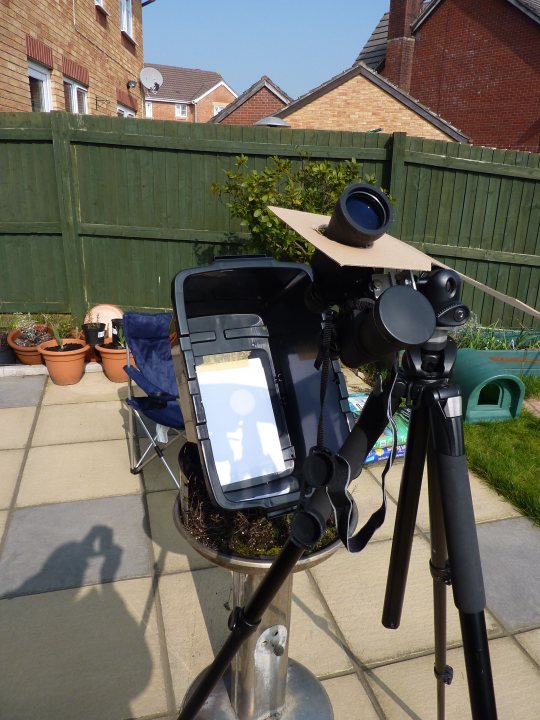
(64, 358)
(94, 333)
(25, 337)
(113, 356)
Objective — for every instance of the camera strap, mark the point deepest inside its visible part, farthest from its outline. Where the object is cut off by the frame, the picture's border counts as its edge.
(343, 503)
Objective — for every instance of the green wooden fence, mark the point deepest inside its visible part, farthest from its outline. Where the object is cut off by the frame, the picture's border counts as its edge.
(108, 210)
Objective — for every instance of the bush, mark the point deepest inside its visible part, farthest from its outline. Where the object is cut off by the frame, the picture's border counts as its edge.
(314, 187)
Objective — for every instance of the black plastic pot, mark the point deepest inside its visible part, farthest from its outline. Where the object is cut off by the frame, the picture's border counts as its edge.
(117, 326)
(94, 333)
(7, 357)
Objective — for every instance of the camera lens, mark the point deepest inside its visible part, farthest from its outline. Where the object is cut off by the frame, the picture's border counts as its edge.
(366, 210)
(362, 214)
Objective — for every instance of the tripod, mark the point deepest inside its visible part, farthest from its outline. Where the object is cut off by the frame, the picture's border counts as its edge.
(435, 432)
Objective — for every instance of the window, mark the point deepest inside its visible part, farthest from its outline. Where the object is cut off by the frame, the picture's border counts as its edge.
(99, 3)
(39, 79)
(218, 107)
(126, 16)
(180, 110)
(75, 97)
(123, 111)
(148, 109)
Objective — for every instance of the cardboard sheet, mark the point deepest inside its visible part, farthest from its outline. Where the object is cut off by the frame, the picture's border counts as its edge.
(386, 252)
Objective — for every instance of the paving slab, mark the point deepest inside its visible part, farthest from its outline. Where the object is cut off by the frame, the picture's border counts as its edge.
(80, 471)
(195, 614)
(53, 547)
(509, 551)
(408, 689)
(354, 588)
(349, 699)
(487, 503)
(93, 387)
(10, 465)
(15, 425)
(531, 642)
(314, 637)
(171, 552)
(21, 391)
(92, 653)
(81, 422)
(3, 520)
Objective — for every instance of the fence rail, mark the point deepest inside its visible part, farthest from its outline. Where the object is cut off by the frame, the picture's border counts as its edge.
(106, 210)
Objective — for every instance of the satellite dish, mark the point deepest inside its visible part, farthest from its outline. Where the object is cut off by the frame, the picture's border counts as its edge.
(151, 79)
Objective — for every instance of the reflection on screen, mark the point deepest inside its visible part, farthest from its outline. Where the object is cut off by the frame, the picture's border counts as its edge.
(240, 418)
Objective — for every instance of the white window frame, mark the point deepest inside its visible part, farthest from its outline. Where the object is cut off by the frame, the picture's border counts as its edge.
(99, 3)
(180, 110)
(148, 109)
(43, 74)
(126, 17)
(124, 110)
(218, 107)
(74, 86)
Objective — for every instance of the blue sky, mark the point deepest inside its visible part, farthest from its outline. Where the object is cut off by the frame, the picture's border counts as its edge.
(299, 44)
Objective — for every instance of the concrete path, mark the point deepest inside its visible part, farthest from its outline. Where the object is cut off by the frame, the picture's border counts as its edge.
(107, 614)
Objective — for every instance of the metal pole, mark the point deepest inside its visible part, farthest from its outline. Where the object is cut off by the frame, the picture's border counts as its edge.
(259, 669)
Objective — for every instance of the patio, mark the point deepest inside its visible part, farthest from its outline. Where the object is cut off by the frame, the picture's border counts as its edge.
(105, 612)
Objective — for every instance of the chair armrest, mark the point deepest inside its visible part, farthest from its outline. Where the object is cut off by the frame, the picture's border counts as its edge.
(149, 388)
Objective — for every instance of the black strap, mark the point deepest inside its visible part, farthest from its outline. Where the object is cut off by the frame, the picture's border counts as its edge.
(322, 363)
(344, 505)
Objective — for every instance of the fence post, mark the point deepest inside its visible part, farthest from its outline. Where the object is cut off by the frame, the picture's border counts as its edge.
(397, 178)
(68, 204)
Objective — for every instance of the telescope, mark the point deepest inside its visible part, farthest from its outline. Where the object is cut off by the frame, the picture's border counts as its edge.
(266, 410)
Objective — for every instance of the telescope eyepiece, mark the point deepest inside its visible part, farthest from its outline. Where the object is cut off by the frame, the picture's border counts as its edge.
(362, 214)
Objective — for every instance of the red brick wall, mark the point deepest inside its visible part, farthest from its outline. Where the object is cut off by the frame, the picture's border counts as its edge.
(201, 112)
(77, 36)
(263, 104)
(477, 64)
(360, 105)
(166, 111)
(205, 108)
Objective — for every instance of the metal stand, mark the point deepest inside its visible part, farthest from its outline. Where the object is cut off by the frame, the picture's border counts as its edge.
(262, 682)
(436, 431)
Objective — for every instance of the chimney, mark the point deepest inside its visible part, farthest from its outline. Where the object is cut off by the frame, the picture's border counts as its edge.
(400, 46)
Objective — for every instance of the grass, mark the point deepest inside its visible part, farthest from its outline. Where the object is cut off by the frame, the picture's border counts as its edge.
(532, 385)
(506, 454)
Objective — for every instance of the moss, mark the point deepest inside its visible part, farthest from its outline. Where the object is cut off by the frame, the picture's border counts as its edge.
(248, 534)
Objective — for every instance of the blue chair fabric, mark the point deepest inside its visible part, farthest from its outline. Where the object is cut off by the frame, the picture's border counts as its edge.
(147, 337)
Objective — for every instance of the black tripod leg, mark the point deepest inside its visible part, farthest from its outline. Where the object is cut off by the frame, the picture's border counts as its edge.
(409, 494)
(440, 572)
(462, 542)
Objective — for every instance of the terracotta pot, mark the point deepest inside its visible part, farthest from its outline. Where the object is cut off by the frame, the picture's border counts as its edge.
(26, 355)
(113, 361)
(65, 368)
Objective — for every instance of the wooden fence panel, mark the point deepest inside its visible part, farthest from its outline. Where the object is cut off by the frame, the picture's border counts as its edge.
(96, 209)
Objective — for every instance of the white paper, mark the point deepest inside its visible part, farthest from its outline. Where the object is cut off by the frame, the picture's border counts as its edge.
(240, 420)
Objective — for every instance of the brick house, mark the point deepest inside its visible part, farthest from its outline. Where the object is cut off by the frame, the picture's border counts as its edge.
(263, 99)
(188, 95)
(82, 56)
(361, 100)
(475, 63)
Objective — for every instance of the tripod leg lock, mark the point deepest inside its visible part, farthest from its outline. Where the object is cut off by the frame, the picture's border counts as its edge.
(237, 619)
(446, 676)
(441, 574)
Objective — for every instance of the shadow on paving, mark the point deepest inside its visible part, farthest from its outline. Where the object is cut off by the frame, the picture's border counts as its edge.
(78, 651)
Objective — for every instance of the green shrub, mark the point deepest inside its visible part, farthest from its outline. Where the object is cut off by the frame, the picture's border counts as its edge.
(314, 187)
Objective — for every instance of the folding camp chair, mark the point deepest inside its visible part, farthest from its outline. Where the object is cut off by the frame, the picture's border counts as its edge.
(147, 339)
